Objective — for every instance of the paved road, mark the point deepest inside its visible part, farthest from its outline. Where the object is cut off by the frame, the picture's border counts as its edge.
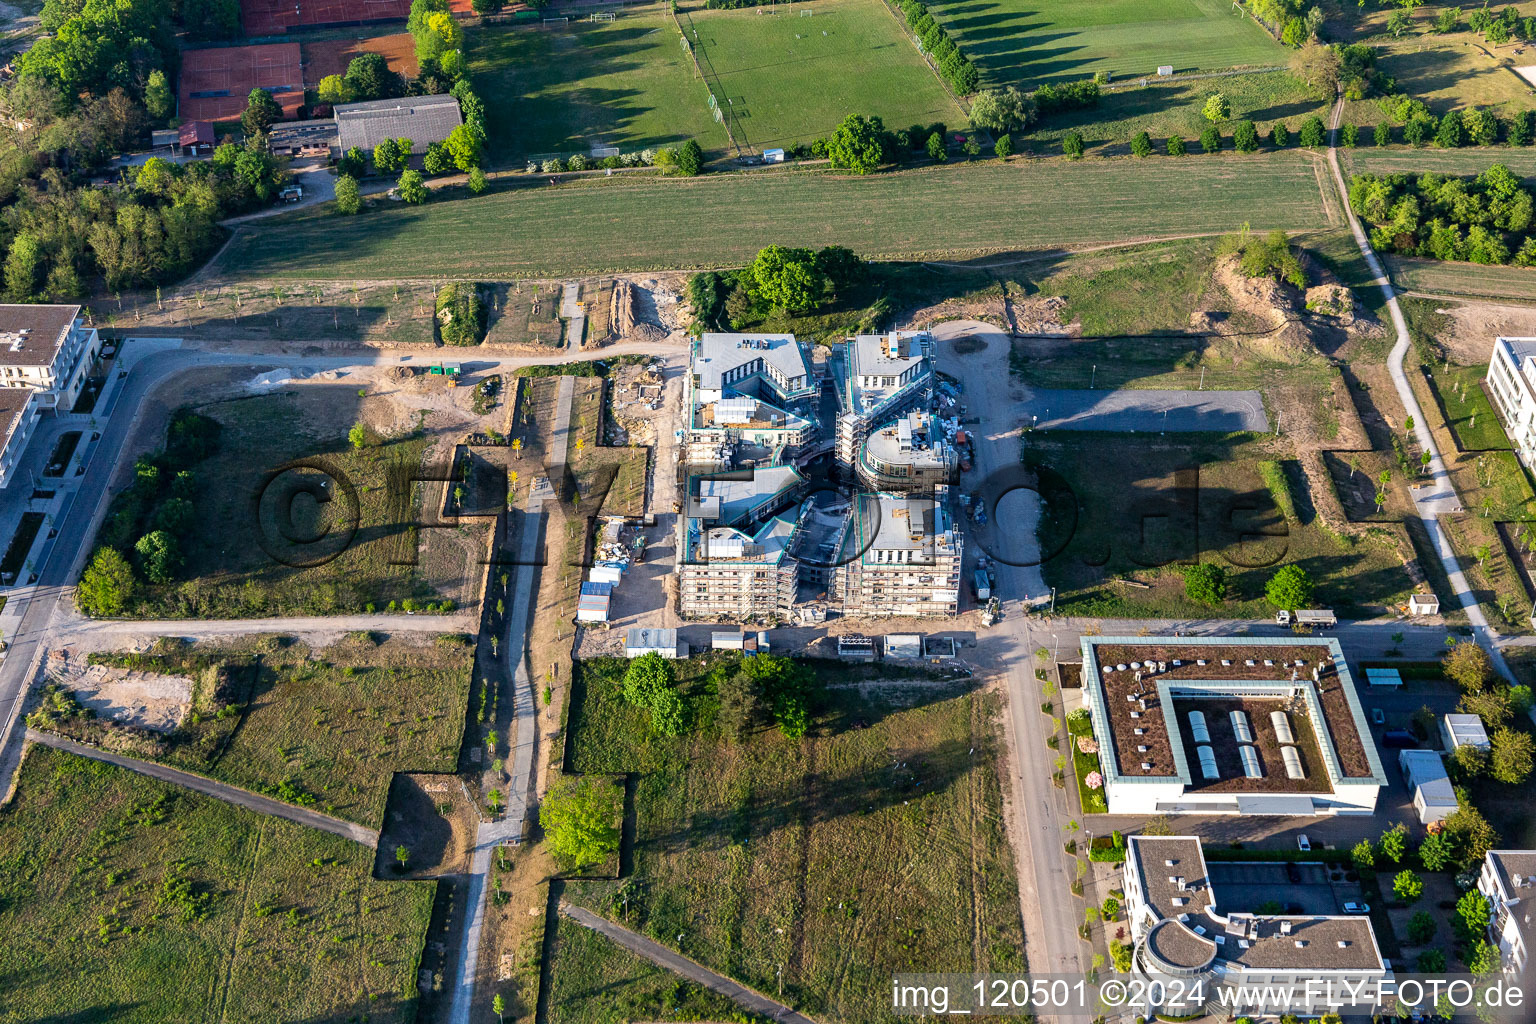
(1432, 501)
(1146, 411)
(74, 624)
(218, 790)
(679, 964)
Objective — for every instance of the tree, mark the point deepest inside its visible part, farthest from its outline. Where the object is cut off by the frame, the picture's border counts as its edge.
(1002, 110)
(1451, 133)
(1120, 955)
(1210, 139)
(261, 112)
(348, 200)
(1469, 761)
(1175, 145)
(482, 8)
(936, 149)
(1319, 66)
(1003, 147)
(1141, 144)
(368, 78)
(1312, 134)
(1510, 760)
(477, 180)
(1245, 137)
(1468, 666)
(1448, 20)
(1491, 705)
(1072, 145)
(1469, 834)
(1407, 886)
(1394, 842)
(1521, 700)
(789, 278)
(1217, 108)
(1349, 136)
(158, 99)
(1473, 910)
(1280, 135)
(857, 145)
(387, 157)
(412, 187)
(1205, 582)
(1398, 23)
(465, 145)
(579, 818)
(402, 857)
(1482, 127)
(498, 1004)
(690, 158)
(1363, 854)
(436, 160)
(1421, 928)
(1418, 129)
(1290, 588)
(1484, 957)
(358, 436)
(1431, 961)
(354, 162)
(159, 556)
(1381, 135)
(333, 90)
(106, 585)
(741, 704)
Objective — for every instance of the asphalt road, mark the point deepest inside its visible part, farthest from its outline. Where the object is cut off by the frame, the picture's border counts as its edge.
(218, 790)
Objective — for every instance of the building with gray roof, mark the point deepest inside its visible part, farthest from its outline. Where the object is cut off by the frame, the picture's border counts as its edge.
(422, 119)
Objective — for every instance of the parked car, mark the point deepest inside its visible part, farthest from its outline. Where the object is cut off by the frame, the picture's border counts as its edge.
(1378, 716)
(1357, 908)
(1303, 843)
(1399, 739)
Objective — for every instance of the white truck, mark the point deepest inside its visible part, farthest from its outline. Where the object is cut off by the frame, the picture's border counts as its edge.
(1307, 617)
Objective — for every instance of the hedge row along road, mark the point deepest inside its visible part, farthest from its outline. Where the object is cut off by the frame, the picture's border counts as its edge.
(646, 223)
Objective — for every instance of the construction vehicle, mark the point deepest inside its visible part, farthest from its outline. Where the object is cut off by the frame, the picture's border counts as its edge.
(992, 612)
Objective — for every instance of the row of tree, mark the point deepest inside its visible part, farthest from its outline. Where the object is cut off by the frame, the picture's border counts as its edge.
(954, 67)
(1486, 219)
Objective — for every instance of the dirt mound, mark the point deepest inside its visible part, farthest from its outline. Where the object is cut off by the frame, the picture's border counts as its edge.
(625, 318)
(1272, 303)
(1041, 315)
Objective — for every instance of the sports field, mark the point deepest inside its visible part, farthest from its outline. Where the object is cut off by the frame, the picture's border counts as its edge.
(792, 76)
(606, 225)
(1027, 42)
(559, 91)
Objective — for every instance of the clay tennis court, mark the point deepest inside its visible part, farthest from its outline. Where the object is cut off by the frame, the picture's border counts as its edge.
(331, 56)
(215, 83)
(274, 17)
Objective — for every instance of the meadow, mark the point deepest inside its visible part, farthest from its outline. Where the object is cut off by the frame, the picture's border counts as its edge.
(874, 845)
(785, 78)
(1030, 42)
(125, 899)
(958, 210)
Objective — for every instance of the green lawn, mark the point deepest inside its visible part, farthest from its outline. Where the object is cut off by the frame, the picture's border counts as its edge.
(127, 900)
(1027, 42)
(792, 79)
(722, 220)
(1472, 280)
(1134, 507)
(1469, 412)
(874, 846)
(625, 83)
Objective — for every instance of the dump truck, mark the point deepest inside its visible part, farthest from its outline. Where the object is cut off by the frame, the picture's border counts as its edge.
(1306, 617)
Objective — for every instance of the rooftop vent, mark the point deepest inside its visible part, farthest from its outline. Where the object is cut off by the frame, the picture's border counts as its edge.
(1146, 767)
(1343, 943)
(1285, 927)
(1171, 863)
(1301, 943)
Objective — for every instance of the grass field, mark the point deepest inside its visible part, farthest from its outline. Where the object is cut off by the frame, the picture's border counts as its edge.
(875, 845)
(1468, 161)
(1446, 72)
(124, 899)
(1174, 108)
(526, 315)
(1472, 280)
(556, 92)
(713, 221)
(246, 567)
(1023, 43)
(792, 79)
(1125, 509)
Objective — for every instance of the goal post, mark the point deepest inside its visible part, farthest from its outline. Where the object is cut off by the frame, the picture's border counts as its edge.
(603, 16)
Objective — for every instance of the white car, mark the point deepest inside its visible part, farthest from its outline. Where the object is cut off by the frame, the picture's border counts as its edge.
(1303, 843)
(1357, 908)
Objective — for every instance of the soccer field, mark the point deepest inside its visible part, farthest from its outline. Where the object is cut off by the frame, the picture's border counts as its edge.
(649, 223)
(1028, 42)
(793, 75)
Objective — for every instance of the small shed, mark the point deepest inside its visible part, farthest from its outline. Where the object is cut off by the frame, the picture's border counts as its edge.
(1433, 796)
(164, 138)
(856, 648)
(732, 640)
(664, 642)
(904, 645)
(592, 605)
(1423, 604)
(773, 156)
(604, 573)
(1460, 730)
(196, 138)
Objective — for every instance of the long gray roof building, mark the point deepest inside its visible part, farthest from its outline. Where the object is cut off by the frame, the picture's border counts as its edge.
(422, 119)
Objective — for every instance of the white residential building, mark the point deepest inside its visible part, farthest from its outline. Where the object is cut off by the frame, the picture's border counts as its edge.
(908, 454)
(748, 389)
(1180, 934)
(1512, 386)
(882, 376)
(45, 352)
(1508, 879)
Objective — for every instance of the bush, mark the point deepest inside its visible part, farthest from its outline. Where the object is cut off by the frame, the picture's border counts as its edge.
(1245, 137)
(1289, 588)
(1175, 145)
(690, 158)
(1004, 146)
(1313, 135)
(1349, 136)
(348, 200)
(106, 586)
(1072, 145)
(1381, 135)
(1141, 145)
(461, 314)
(1280, 135)
(1205, 582)
(1210, 139)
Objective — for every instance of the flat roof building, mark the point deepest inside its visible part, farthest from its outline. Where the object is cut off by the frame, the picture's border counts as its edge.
(1511, 384)
(1460, 730)
(898, 555)
(879, 377)
(45, 354)
(1508, 879)
(1229, 725)
(748, 389)
(1433, 796)
(908, 454)
(639, 642)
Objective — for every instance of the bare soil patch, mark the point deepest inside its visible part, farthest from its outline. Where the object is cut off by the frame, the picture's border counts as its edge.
(145, 700)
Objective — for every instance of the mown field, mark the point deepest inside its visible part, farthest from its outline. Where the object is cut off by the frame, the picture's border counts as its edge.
(873, 846)
(651, 223)
(787, 78)
(1027, 42)
(1463, 279)
(1469, 160)
(124, 899)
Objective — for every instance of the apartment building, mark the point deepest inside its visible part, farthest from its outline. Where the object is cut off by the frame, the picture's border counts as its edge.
(909, 454)
(750, 391)
(1508, 879)
(45, 352)
(1511, 384)
(1181, 934)
(898, 555)
(879, 377)
(735, 539)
